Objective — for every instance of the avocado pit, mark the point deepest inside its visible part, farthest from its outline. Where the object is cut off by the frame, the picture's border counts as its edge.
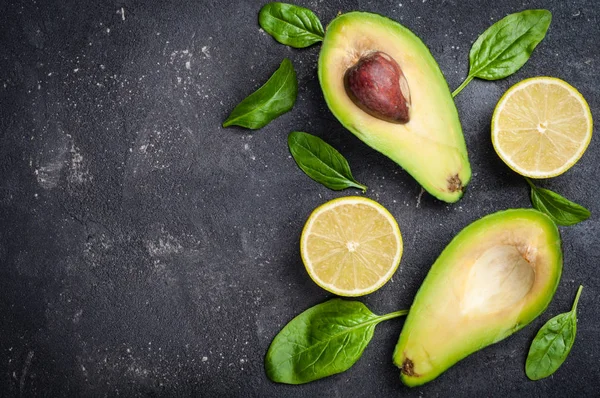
(377, 85)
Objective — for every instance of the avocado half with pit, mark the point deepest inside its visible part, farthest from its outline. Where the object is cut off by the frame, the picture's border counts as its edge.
(496, 276)
(382, 83)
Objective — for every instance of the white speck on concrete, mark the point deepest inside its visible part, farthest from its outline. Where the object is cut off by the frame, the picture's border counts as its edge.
(78, 173)
(138, 371)
(165, 245)
(48, 175)
(77, 316)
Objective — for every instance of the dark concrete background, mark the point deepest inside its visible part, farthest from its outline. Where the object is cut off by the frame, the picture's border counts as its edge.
(146, 251)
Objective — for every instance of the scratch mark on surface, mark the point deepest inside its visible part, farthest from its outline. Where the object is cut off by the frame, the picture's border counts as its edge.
(24, 372)
(414, 239)
(419, 197)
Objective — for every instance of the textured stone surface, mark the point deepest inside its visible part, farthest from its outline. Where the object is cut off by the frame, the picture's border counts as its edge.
(144, 250)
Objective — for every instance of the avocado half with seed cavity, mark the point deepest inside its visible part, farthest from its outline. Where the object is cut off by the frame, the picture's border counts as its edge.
(496, 276)
(382, 83)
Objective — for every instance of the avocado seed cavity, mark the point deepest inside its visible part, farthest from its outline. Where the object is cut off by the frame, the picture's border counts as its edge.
(377, 85)
(499, 279)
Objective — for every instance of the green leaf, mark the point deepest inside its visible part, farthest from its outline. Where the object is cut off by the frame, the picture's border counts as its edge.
(321, 162)
(506, 45)
(276, 97)
(323, 340)
(561, 210)
(291, 25)
(552, 344)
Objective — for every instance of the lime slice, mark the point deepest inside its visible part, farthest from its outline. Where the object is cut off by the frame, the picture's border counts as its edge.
(541, 127)
(351, 246)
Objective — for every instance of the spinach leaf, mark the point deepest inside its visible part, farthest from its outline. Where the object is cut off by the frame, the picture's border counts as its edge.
(506, 45)
(291, 25)
(321, 162)
(561, 210)
(552, 344)
(276, 97)
(323, 340)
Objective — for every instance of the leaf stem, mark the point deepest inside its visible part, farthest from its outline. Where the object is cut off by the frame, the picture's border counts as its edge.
(530, 183)
(393, 315)
(362, 187)
(462, 85)
(574, 308)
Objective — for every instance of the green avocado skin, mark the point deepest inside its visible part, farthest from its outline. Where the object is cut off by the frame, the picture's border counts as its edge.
(431, 146)
(423, 319)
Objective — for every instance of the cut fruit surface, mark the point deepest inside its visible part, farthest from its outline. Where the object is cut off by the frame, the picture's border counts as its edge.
(382, 83)
(541, 127)
(351, 246)
(497, 275)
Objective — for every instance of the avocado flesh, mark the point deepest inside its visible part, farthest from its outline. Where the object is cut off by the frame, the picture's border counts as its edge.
(430, 146)
(496, 276)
